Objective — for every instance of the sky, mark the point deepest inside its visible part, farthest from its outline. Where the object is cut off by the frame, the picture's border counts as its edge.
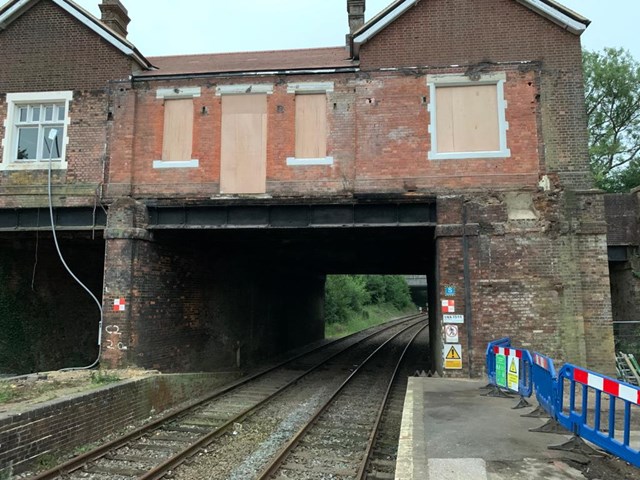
(174, 27)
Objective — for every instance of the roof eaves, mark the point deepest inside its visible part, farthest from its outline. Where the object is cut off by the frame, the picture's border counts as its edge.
(558, 14)
(11, 10)
(16, 8)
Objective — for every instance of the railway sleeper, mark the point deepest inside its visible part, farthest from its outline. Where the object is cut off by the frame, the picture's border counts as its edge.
(180, 428)
(120, 457)
(115, 470)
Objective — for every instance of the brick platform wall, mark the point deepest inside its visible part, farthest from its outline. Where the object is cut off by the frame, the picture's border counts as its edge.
(58, 427)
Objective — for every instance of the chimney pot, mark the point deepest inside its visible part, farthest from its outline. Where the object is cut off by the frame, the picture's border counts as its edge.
(115, 16)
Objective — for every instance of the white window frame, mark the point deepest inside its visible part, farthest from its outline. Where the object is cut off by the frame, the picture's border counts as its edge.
(10, 140)
(458, 80)
(177, 94)
(310, 88)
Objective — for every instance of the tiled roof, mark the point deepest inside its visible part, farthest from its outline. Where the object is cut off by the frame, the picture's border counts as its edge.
(274, 60)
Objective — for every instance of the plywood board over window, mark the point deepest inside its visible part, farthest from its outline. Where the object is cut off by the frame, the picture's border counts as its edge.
(311, 126)
(177, 142)
(467, 118)
(244, 144)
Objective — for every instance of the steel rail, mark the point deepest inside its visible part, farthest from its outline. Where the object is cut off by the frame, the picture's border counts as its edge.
(275, 464)
(383, 406)
(99, 452)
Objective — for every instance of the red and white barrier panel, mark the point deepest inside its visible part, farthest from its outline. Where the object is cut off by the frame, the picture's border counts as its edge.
(607, 385)
(541, 361)
(509, 352)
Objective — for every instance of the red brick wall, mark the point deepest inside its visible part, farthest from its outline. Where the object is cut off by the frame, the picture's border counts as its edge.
(440, 33)
(378, 138)
(542, 282)
(46, 49)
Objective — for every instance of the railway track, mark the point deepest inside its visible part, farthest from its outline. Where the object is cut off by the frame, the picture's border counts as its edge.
(337, 442)
(156, 449)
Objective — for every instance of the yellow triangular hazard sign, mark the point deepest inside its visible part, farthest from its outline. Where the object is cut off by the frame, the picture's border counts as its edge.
(512, 367)
(453, 354)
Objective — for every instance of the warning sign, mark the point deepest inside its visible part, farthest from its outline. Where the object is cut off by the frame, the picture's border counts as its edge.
(513, 375)
(451, 333)
(501, 371)
(453, 357)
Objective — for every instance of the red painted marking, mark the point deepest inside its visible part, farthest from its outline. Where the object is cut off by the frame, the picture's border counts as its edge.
(611, 387)
(580, 376)
(496, 350)
(518, 353)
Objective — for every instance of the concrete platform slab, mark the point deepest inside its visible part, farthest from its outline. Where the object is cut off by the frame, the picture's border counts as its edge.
(449, 432)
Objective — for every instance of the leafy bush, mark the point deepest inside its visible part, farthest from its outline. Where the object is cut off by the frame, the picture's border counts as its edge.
(346, 296)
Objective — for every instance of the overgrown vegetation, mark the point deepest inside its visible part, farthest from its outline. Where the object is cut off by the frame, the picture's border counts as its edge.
(612, 90)
(100, 377)
(355, 302)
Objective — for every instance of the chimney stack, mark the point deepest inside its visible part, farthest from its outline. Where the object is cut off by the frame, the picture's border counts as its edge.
(115, 16)
(356, 9)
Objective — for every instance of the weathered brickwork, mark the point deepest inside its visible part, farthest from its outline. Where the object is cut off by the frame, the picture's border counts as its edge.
(60, 55)
(43, 329)
(449, 32)
(379, 140)
(544, 284)
(181, 294)
(521, 237)
(60, 426)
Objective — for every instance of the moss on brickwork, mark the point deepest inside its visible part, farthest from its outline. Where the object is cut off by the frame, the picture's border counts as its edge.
(19, 304)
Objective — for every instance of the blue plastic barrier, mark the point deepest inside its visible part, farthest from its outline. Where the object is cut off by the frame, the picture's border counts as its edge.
(491, 358)
(588, 425)
(524, 365)
(545, 382)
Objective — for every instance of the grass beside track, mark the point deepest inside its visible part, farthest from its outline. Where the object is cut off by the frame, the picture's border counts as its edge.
(371, 316)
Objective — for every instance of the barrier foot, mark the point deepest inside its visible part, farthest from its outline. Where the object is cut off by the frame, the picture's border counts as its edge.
(577, 445)
(551, 426)
(496, 392)
(539, 412)
(521, 404)
(488, 386)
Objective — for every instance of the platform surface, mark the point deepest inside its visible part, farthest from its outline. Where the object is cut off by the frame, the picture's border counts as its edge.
(450, 432)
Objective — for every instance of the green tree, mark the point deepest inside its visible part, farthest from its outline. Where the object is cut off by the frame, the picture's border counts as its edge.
(345, 295)
(612, 89)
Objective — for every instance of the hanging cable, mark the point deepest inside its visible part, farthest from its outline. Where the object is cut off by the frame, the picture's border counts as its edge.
(53, 133)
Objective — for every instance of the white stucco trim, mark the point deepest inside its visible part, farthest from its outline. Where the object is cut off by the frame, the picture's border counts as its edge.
(163, 164)
(14, 100)
(299, 162)
(178, 93)
(245, 89)
(311, 87)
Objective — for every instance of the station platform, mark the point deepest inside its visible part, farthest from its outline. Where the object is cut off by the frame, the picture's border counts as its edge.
(451, 432)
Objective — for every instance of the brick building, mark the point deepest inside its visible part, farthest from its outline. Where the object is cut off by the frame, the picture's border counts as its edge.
(447, 138)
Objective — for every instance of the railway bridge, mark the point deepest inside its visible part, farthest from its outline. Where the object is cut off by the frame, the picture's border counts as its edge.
(203, 199)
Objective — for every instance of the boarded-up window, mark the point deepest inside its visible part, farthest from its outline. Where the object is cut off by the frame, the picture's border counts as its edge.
(467, 119)
(311, 126)
(178, 129)
(244, 144)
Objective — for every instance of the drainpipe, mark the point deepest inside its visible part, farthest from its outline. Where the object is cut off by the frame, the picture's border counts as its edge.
(467, 287)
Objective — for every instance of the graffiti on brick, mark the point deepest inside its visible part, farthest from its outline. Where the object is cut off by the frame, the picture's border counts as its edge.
(114, 330)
